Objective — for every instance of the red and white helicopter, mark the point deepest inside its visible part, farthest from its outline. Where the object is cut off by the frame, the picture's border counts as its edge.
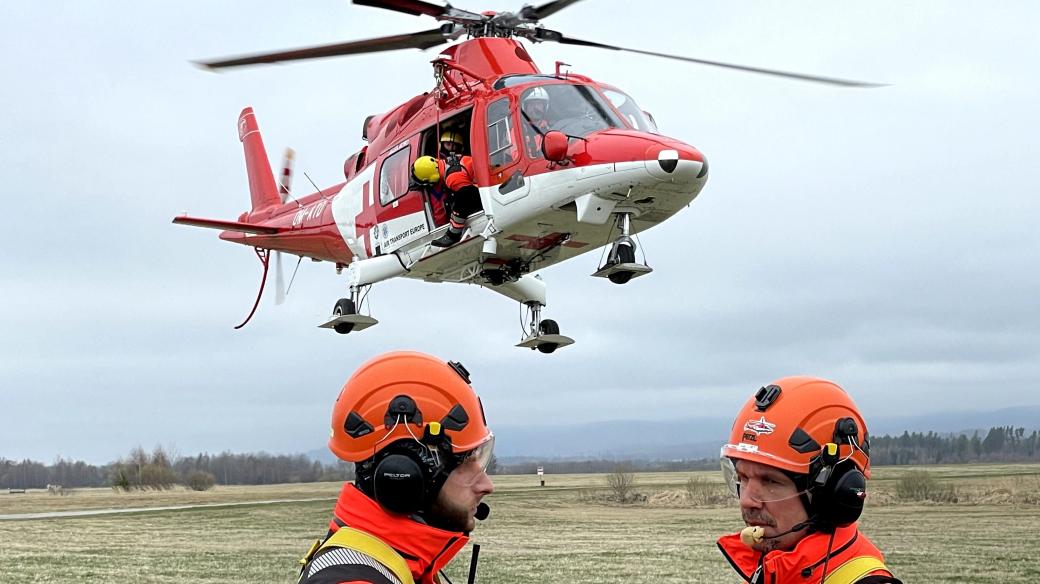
(593, 169)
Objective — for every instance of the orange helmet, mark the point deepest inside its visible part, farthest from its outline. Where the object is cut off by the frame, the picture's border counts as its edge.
(407, 395)
(788, 423)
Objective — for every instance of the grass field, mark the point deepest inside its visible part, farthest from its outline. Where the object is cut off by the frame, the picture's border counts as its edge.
(564, 532)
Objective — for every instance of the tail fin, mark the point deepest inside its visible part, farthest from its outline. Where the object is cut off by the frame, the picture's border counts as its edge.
(262, 188)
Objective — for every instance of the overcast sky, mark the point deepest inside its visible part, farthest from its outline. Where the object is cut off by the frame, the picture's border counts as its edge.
(884, 238)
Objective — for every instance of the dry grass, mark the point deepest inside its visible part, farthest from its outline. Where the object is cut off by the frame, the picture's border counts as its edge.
(38, 500)
(555, 533)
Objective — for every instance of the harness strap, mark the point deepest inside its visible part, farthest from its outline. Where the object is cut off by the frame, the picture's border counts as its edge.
(854, 569)
(361, 542)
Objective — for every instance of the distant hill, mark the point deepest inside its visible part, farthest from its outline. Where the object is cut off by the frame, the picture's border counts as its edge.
(700, 437)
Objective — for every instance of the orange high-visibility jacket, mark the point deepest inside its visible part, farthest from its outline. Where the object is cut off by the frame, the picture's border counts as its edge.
(853, 559)
(423, 548)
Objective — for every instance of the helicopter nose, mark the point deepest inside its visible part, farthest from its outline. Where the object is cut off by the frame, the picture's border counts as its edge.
(675, 163)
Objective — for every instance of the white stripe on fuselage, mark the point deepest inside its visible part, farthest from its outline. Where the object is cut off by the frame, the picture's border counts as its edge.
(347, 205)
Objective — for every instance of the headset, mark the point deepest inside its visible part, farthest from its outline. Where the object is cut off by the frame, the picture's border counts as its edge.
(838, 489)
(407, 476)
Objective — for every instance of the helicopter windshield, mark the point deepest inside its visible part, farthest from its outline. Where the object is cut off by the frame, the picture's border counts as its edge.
(575, 110)
(636, 117)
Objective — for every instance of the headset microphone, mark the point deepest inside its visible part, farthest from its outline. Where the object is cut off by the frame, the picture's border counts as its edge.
(753, 534)
(483, 510)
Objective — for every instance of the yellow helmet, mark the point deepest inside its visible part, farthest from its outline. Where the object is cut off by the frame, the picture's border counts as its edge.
(451, 136)
(425, 170)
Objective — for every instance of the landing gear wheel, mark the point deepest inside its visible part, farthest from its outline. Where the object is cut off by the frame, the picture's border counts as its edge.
(626, 254)
(343, 307)
(548, 327)
(547, 347)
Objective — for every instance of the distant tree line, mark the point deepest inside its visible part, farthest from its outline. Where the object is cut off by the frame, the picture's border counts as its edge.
(605, 466)
(1000, 444)
(161, 469)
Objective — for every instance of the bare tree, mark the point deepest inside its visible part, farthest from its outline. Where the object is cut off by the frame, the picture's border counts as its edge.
(622, 482)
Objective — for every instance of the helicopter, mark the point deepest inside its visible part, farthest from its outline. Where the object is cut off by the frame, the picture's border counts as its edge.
(593, 167)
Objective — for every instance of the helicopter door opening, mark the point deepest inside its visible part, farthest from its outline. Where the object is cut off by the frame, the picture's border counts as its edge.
(455, 127)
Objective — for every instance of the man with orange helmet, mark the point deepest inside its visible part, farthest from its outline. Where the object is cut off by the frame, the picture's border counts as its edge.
(451, 185)
(798, 459)
(416, 433)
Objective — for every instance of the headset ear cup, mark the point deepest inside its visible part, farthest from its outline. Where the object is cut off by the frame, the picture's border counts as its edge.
(849, 494)
(840, 501)
(398, 484)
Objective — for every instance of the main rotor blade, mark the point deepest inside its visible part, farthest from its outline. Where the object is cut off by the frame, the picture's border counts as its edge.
(547, 9)
(416, 40)
(419, 8)
(413, 7)
(549, 35)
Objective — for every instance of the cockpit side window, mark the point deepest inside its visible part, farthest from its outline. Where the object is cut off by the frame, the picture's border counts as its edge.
(500, 134)
(635, 116)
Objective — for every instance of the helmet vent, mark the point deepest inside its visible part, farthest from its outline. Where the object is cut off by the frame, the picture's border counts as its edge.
(456, 418)
(402, 409)
(355, 426)
(766, 396)
(459, 368)
(802, 442)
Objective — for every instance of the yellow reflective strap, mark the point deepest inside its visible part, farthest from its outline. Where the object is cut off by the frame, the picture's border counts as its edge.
(310, 553)
(369, 545)
(854, 569)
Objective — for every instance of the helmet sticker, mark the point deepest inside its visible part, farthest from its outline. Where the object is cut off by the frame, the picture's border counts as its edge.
(759, 426)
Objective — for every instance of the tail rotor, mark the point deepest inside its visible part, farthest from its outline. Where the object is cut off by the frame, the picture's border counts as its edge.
(284, 191)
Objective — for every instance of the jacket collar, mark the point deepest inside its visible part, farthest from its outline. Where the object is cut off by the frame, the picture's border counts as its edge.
(809, 552)
(427, 549)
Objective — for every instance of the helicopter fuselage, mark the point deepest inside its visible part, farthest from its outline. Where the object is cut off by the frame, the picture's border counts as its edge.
(538, 211)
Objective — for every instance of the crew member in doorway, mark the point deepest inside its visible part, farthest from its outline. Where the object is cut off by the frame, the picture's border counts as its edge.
(415, 431)
(798, 460)
(453, 179)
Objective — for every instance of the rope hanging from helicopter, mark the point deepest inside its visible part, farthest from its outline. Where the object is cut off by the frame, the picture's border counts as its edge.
(264, 255)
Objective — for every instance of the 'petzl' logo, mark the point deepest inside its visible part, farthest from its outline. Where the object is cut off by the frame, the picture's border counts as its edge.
(759, 426)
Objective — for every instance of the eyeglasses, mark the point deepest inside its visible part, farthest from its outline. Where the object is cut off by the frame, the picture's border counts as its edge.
(761, 489)
(471, 466)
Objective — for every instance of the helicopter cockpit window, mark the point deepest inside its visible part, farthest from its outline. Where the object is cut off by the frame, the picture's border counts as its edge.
(393, 176)
(575, 110)
(514, 80)
(631, 111)
(499, 134)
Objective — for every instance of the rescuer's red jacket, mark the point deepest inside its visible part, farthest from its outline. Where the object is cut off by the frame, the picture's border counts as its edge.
(426, 549)
(804, 563)
(457, 175)
(454, 178)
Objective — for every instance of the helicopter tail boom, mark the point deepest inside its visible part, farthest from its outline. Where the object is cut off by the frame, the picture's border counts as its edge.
(262, 188)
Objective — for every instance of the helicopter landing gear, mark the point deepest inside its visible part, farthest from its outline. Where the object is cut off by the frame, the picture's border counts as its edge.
(345, 318)
(361, 274)
(621, 265)
(543, 335)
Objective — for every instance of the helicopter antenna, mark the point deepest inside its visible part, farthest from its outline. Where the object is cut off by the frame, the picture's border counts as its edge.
(316, 189)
